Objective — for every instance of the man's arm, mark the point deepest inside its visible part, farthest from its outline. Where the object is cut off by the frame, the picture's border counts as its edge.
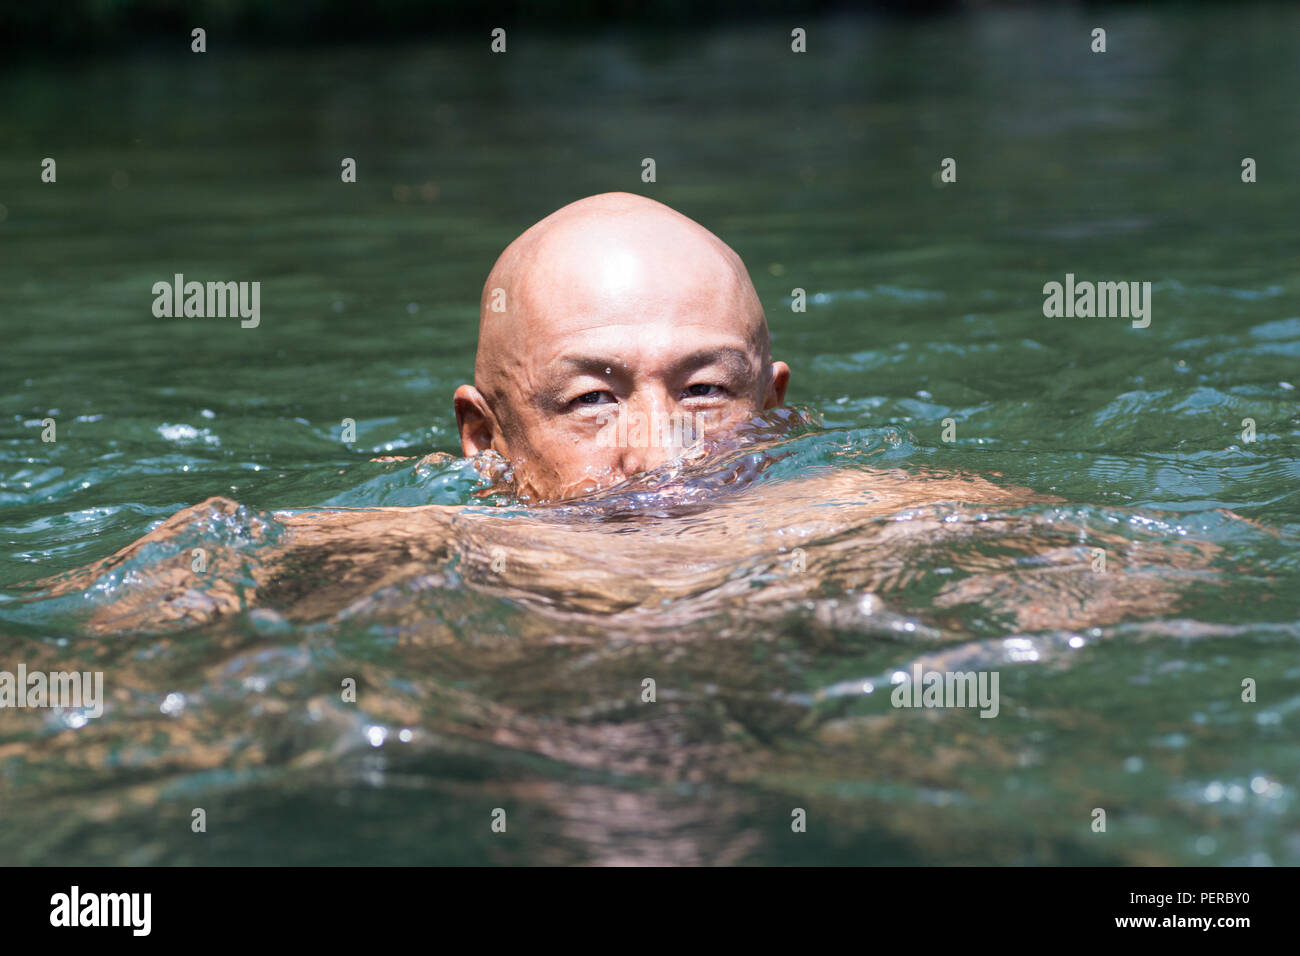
(275, 560)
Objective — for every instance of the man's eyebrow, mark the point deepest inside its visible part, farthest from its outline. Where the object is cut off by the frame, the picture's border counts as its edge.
(738, 362)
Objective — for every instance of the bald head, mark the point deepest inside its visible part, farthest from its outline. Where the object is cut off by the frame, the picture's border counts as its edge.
(614, 309)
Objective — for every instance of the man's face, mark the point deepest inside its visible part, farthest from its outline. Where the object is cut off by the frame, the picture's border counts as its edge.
(624, 339)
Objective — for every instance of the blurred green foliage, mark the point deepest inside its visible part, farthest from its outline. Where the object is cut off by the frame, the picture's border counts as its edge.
(79, 24)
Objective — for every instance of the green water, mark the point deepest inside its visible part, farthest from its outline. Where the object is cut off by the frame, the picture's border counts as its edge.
(925, 303)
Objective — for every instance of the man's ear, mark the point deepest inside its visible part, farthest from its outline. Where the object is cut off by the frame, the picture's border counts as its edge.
(474, 420)
(780, 378)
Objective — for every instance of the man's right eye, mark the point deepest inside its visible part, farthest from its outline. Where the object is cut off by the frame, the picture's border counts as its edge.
(593, 398)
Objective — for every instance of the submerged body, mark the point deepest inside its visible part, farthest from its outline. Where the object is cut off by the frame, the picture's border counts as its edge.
(630, 557)
(624, 367)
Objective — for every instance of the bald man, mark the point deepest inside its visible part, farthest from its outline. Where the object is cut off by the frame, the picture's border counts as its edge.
(611, 334)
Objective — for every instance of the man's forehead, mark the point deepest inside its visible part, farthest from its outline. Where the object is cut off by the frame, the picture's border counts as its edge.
(627, 277)
(681, 355)
(662, 344)
(656, 323)
(651, 303)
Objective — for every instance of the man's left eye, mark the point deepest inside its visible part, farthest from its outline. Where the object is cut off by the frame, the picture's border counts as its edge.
(700, 391)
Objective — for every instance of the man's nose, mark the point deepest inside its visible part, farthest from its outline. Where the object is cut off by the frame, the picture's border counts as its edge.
(648, 439)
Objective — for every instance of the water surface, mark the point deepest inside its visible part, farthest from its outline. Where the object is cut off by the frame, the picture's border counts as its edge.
(522, 689)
